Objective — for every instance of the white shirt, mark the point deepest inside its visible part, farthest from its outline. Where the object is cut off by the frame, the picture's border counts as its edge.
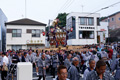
(112, 47)
(86, 56)
(104, 54)
(95, 57)
(5, 60)
(48, 56)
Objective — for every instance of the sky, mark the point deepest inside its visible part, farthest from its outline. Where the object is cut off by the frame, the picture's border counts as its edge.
(43, 10)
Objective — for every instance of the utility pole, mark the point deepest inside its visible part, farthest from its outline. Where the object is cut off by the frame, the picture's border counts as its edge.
(49, 25)
(49, 31)
(25, 8)
(108, 20)
(82, 7)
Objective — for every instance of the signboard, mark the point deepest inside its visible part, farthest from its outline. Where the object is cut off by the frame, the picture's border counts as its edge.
(34, 41)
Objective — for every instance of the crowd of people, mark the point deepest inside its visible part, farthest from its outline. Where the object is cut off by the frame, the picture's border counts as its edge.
(94, 62)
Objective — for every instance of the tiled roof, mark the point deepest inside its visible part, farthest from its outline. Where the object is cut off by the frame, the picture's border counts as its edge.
(25, 21)
(111, 15)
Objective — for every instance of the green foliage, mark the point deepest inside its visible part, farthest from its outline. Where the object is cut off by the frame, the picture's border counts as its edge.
(102, 18)
(62, 19)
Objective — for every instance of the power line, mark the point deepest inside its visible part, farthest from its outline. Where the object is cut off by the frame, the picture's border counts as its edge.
(99, 5)
(104, 8)
(64, 5)
(69, 5)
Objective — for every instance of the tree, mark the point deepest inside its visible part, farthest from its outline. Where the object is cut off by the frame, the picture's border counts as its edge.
(102, 18)
(62, 19)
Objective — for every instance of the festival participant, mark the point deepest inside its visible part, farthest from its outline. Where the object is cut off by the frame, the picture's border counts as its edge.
(42, 66)
(62, 73)
(116, 66)
(90, 68)
(55, 63)
(67, 61)
(37, 57)
(99, 72)
(73, 73)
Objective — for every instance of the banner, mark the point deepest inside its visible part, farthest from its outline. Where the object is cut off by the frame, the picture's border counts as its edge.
(0, 32)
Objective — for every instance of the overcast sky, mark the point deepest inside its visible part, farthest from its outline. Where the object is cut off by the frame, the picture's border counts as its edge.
(43, 10)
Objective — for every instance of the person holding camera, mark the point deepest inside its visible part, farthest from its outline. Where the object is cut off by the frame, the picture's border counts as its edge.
(4, 66)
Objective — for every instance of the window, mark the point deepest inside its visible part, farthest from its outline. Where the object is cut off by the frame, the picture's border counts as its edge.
(98, 22)
(119, 18)
(16, 47)
(108, 20)
(16, 32)
(86, 21)
(86, 34)
(90, 21)
(112, 19)
(83, 21)
(35, 33)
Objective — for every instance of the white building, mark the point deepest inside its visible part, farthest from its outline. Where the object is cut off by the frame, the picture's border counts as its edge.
(102, 32)
(84, 28)
(25, 33)
(3, 20)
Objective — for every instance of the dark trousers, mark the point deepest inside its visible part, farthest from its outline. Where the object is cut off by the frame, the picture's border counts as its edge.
(84, 67)
(53, 72)
(47, 70)
(40, 77)
(3, 75)
(50, 69)
(117, 79)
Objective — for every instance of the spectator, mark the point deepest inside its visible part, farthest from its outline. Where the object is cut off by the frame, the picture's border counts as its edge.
(5, 67)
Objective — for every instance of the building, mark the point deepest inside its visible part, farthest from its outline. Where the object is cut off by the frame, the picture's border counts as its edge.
(3, 20)
(113, 20)
(25, 33)
(84, 28)
(102, 32)
(87, 29)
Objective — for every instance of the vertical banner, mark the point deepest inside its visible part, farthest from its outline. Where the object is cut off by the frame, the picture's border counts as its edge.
(0, 38)
(0, 32)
